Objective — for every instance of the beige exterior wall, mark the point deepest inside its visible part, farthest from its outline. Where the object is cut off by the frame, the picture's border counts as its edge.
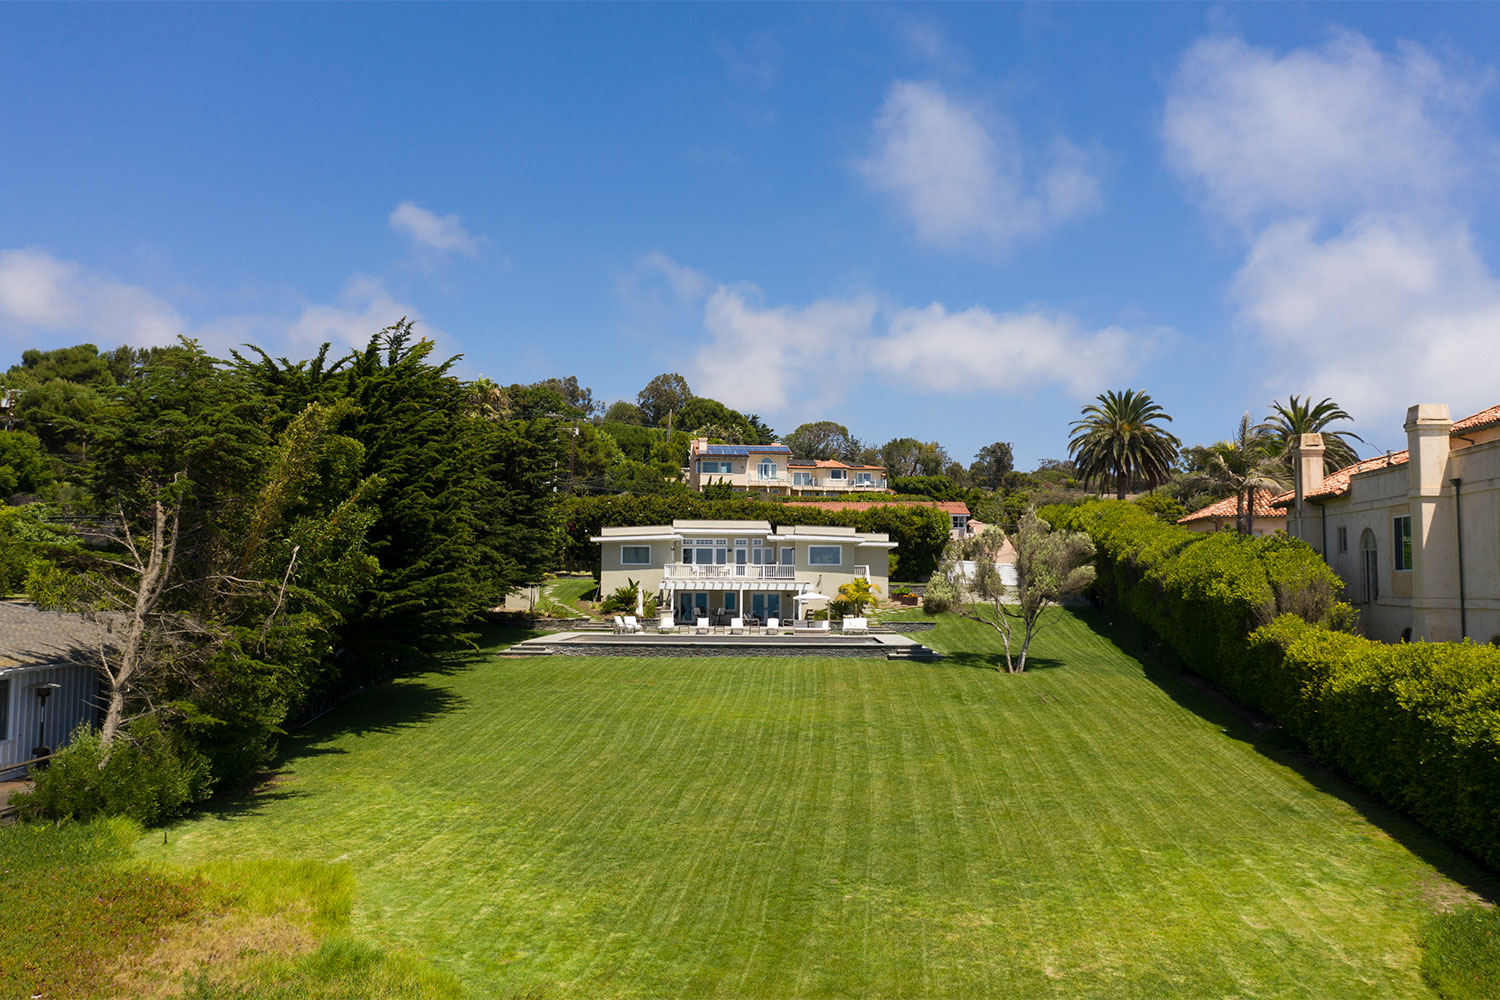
(1424, 598)
(862, 554)
(745, 474)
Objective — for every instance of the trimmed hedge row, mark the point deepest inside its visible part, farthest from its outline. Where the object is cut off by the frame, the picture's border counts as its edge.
(920, 533)
(1416, 724)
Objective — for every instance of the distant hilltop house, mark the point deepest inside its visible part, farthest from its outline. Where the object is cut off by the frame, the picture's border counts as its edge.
(1265, 517)
(771, 469)
(1415, 534)
(741, 568)
(48, 685)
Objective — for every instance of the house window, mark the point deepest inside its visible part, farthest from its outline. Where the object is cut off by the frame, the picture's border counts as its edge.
(1343, 539)
(1371, 566)
(863, 479)
(5, 709)
(716, 468)
(802, 479)
(1402, 531)
(788, 556)
(825, 555)
(635, 555)
(767, 470)
(837, 474)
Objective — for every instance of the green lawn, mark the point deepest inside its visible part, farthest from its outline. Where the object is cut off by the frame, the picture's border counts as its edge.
(802, 827)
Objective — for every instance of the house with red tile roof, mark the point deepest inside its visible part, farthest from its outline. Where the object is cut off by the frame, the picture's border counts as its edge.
(1414, 534)
(770, 469)
(1265, 517)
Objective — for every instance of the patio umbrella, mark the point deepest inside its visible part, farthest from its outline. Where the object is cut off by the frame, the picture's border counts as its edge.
(810, 596)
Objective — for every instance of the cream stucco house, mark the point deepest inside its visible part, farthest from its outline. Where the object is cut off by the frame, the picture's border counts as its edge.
(770, 468)
(1415, 534)
(744, 568)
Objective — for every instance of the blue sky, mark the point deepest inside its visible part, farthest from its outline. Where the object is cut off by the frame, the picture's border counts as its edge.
(952, 222)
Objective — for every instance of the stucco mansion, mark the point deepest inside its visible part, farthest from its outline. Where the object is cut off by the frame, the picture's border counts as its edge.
(1415, 534)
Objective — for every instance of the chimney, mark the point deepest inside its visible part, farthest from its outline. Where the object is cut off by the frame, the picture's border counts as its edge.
(1427, 428)
(1308, 477)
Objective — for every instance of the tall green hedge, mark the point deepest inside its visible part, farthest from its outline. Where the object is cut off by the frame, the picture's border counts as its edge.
(1417, 724)
(919, 532)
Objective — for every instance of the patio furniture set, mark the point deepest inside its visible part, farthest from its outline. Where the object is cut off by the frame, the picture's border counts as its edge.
(628, 624)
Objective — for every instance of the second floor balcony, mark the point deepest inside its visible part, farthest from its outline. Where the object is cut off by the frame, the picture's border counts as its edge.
(726, 571)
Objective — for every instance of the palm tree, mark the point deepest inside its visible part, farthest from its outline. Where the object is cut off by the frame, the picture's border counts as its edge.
(1302, 416)
(1118, 441)
(488, 400)
(1245, 465)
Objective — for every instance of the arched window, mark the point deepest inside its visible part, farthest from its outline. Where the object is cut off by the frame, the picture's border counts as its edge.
(1370, 565)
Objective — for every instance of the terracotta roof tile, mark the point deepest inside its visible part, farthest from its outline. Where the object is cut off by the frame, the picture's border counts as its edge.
(1482, 419)
(1260, 507)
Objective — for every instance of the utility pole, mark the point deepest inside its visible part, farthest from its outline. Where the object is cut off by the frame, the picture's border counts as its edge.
(8, 404)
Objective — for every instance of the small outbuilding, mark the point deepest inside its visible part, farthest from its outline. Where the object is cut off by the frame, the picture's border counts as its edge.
(48, 684)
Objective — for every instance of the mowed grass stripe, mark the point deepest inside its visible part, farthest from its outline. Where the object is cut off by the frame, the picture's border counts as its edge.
(805, 827)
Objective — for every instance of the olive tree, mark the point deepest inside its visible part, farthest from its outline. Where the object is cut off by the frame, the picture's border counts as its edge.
(1049, 564)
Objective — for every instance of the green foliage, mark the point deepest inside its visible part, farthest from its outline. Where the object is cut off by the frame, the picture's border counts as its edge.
(23, 468)
(1119, 443)
(623, 601)
(910, 457)
(149, 777)
(624, 412)
(663, 398)
(711, 418)
(936, 487)
(858, 594)
(1161, 507)
(342, 967)
(823, 439)
(1461, 953)
(25, 541)
(919, 532)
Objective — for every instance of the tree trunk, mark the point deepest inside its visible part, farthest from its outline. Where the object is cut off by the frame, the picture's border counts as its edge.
(1239, 513)
(149, 588)
(1121, 481)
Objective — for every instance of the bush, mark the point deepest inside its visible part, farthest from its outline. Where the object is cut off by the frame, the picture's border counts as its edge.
(623, 601)
(150, 777)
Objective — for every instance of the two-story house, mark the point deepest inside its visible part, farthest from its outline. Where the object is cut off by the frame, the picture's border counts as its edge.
(744, 568)
(1414, 534)
(770, 468)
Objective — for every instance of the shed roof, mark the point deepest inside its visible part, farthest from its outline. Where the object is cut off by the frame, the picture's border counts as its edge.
(30, 635)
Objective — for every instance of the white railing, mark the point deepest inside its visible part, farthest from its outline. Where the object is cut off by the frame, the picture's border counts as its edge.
(729, 571)
(779, 480)
(863, 571)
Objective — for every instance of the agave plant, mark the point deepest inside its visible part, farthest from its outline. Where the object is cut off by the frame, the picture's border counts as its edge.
(1118, 442)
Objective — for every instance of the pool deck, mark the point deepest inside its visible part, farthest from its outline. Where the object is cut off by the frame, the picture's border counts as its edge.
(884, 645)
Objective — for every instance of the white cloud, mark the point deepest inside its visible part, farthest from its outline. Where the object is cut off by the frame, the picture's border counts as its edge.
(977, 350)
(1337, 128)
(763, 360)
(1384, 314)
(47, 301)
(960, 174)
(687, 285)
(1345, 168)
(364, 308)
(779, 359)
(41, 294)
(436, 232)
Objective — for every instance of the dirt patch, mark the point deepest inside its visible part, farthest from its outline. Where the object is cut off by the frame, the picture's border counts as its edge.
(217, 943)
(1443, 895)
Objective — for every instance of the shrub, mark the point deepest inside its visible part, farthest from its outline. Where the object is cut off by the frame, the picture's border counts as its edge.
(150, 777)
(624, 599)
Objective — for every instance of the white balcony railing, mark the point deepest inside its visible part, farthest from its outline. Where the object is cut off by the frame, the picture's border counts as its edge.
(863, 571)
(729, 571)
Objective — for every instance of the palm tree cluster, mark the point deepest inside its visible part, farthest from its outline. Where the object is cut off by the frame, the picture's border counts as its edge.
(1119, 442)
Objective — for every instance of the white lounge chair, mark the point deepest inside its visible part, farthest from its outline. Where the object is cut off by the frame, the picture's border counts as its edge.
(619, 624)
(666, 623)
(773, 626)
(736, 626)
(631, 625)
(702, 626)
(856, 625)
